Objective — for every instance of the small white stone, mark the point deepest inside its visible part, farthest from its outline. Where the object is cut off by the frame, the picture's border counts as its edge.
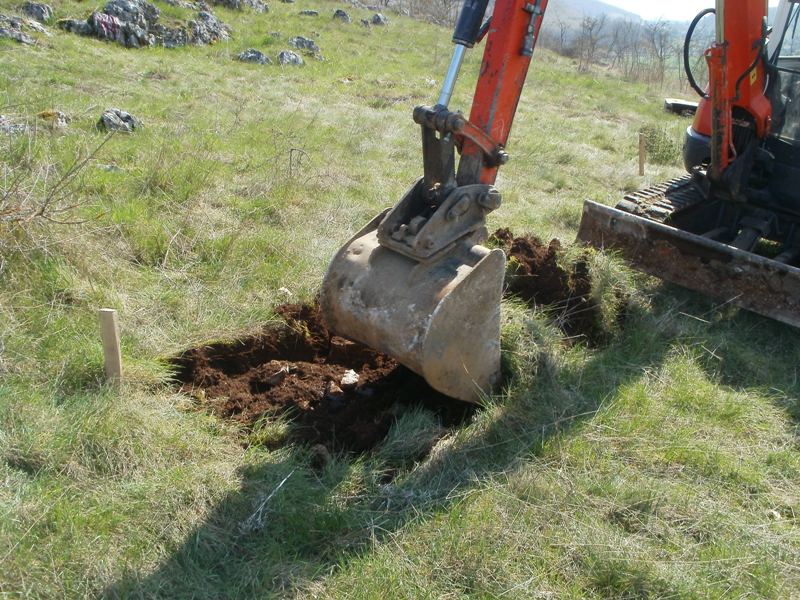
(349, 379)
(284, 291)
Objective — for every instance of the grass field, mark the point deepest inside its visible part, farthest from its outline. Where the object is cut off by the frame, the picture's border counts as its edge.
(663, 464)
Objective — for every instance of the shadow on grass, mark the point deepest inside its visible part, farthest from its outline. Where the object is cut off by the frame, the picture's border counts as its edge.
(293, 521)
(736, 348)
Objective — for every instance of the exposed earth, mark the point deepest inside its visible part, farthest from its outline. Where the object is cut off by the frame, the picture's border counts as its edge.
(302, 369)
(345, 396)
(539, 277)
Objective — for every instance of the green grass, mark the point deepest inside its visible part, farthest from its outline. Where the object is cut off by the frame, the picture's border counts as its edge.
(664, 463)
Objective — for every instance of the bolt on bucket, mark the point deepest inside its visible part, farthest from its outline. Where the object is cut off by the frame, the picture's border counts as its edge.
(439, 317)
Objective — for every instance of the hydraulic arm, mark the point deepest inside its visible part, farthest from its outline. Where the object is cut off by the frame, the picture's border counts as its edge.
(416, 282)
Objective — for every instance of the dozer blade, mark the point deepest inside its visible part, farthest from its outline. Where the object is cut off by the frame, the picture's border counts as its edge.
(440, 317)
(748, 280)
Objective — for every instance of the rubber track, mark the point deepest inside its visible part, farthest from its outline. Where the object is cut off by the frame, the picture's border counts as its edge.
(659, 202)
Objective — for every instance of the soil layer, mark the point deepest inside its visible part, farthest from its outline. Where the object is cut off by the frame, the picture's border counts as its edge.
(302, 369)
(538, 277)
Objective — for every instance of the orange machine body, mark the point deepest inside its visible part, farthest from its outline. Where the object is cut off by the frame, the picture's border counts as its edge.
(737, 79)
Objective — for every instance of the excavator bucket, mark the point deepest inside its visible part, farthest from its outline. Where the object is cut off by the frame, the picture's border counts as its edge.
(438, 317)
(415, 283)
(657, 231)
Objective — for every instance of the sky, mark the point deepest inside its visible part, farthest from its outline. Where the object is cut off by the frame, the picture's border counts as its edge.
(680, 10)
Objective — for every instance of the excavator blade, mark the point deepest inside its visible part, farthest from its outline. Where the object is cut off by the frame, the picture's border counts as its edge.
(439, 317)
(639, 233)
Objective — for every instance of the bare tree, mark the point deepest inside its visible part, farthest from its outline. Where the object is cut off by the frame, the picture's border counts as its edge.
(659, 44)
(563, 35)
(589, 37)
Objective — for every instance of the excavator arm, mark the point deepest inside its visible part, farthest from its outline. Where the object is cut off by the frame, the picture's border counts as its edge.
(416, 283)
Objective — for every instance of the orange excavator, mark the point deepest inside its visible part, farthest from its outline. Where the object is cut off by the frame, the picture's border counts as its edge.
(416, 282)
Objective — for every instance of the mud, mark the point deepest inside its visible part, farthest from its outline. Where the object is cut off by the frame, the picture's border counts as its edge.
(300, 369)
(539, 278)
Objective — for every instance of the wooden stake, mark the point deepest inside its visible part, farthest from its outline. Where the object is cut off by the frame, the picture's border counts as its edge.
(109, 330)
(642, 154)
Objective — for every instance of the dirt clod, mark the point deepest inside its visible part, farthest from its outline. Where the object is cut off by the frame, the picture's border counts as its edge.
(339, 395)
(538, 277)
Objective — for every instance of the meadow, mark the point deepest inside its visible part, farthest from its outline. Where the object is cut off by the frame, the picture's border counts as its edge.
(662, 463)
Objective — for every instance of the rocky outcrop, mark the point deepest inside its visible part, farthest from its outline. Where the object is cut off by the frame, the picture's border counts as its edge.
(287, 57)
(134, 23)
(19, 29)
(340, 15)
(9, 127)
(256, 5)
(254, 56)
(54, 119)
(39, 12)
(207, 29)
(303, 43)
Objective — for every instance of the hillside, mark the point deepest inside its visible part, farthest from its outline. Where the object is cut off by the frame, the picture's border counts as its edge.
(656, 459)
(572, 11)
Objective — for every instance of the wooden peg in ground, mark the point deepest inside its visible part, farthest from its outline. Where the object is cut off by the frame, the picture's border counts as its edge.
(109, 331)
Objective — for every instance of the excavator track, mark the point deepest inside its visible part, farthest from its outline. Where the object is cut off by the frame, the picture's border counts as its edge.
(642, 230)
(661, 201)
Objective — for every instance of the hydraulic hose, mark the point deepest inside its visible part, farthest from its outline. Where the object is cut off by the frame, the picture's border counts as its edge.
(686, 46)
(759, 56)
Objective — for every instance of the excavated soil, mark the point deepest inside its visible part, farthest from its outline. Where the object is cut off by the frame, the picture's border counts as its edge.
(300, 369)
(539, 278)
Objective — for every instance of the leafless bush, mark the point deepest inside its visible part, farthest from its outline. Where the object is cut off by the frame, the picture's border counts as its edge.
(33, 188)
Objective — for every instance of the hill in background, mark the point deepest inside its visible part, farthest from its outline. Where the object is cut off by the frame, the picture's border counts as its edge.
(573, 11)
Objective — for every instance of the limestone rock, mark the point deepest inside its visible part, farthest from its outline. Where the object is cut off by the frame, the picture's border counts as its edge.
(134, 23)
(15, 28)
(207, 29)
(114, 119)
(287, 57)
(254, 56)
(379, 19)
(340, 15)
(38, 11)
(9, 127)
(55, 119)
(256, 5)
(349, 380)
(303, 43)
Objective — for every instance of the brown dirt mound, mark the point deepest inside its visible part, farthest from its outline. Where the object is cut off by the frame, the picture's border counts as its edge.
(300, 369)
(537, 278)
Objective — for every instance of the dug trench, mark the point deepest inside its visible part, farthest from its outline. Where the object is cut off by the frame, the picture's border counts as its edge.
(342, 396)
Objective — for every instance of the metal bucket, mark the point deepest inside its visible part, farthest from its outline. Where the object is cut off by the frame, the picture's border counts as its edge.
(439, 317)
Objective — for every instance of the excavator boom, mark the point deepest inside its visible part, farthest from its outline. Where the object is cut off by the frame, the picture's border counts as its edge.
(416, 283)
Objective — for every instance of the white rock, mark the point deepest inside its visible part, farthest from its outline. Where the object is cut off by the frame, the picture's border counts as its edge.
(349, 379)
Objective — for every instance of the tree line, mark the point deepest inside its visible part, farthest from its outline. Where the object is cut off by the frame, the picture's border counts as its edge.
(649, 51)
(645, 51)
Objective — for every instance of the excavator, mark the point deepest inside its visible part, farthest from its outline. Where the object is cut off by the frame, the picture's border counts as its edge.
(417, 283)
